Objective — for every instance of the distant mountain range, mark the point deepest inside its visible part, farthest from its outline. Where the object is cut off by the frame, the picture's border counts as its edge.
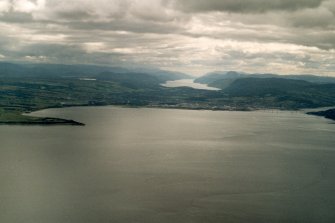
(274, 90)
(223, 79)
(87, 71)
(29, 87)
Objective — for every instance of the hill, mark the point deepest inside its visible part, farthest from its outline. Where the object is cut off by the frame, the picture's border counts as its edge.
(282, 93)
(266, 86)
(81, 71)
(330, 113)
(25, 88)
(224, 79)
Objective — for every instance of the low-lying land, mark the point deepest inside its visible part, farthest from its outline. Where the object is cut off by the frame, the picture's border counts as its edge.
(16, 118)
(24, 90)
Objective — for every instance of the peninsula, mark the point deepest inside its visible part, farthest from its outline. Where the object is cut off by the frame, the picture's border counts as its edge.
(329, 114)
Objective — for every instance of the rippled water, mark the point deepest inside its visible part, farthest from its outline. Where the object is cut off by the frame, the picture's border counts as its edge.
(153, 165)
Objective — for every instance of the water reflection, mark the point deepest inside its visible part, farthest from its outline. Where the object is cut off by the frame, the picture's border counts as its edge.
(154, 165)
(189, 83)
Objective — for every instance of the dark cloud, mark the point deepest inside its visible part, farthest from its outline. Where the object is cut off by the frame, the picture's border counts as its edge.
(16, 17)
(320, 18)
(245, 6)
(130, 26)
(290, 36)
(74, 15)
(63, 54)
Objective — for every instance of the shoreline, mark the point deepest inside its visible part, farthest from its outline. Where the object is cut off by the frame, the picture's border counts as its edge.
(328, 114)
(44, 121)
(50, 121)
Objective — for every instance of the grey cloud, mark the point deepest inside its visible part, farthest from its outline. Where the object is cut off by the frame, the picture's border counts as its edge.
(264, 56)
(130, 26)
(16, 17)
(63, 54)
(76, 15)
(322, 17)
(174, 34)
(322, 39)
(104, 10)
(244, 6)
(261, 62)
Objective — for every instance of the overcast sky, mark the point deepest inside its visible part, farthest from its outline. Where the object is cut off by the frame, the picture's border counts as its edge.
(193, 36)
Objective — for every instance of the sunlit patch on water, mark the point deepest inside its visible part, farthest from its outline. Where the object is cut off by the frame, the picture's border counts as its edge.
(189, 83)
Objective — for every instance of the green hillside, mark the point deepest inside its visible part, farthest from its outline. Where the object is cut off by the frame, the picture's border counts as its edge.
(22, 92)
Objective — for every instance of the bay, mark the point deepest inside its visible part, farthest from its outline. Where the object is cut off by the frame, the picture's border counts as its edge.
(164, 165)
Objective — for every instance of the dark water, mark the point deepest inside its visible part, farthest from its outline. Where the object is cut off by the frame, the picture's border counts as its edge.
(169, 166)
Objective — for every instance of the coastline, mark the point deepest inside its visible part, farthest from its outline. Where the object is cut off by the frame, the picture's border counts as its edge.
(44, 122)
(29, 120)
(328, 114)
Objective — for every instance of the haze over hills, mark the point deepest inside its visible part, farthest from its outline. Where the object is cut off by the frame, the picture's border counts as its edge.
(305, 90)
(85, 71)
(29, 87)
(222, 79)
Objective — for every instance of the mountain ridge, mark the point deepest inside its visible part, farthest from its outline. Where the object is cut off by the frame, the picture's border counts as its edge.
(222, 79)
(81, 71)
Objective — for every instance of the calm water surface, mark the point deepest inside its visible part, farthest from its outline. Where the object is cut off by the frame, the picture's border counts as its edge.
(189, 83)
(168, 166)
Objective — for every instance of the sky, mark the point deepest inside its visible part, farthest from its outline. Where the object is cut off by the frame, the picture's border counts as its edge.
(191, 36)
